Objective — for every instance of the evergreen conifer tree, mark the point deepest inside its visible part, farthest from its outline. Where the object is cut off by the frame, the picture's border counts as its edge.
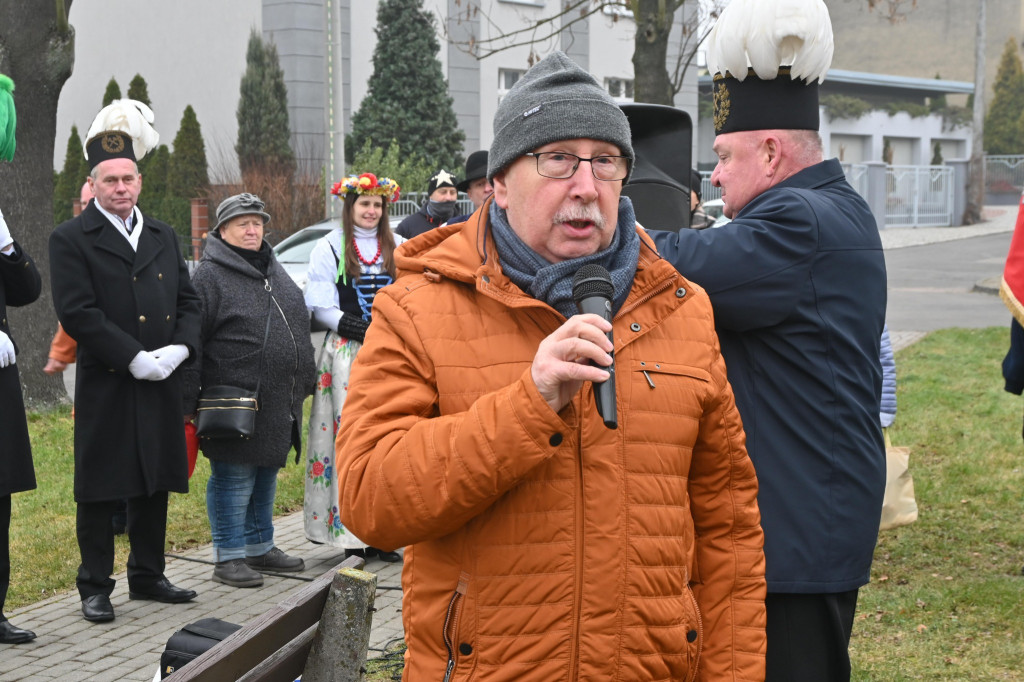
(70, 179)
(112, 92)
(263, 132)
(138, 90)
(1003, 135)
(408, 171)
(186, 173)
(408, 97)
(154, 182)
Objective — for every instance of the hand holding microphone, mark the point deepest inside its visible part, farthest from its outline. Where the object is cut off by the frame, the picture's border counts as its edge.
(578, 351)
(592, 290)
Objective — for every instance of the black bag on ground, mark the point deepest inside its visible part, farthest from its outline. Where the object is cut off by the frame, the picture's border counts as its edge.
(191, 641)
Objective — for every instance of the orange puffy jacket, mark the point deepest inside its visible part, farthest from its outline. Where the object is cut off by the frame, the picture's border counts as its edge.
(541, 545)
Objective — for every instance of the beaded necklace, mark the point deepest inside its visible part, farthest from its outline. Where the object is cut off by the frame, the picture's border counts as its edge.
(359, 254)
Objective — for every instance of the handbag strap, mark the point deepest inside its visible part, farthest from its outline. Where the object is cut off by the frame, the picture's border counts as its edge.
(266, 332)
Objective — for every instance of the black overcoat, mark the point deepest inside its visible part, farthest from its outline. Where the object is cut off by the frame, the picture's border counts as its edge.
(19, 285)
(129, 434)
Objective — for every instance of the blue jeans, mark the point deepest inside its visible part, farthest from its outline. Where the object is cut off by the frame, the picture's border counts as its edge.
(240, 504)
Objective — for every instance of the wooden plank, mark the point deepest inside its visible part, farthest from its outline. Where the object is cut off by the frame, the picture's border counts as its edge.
(285, 664)
(259, 639)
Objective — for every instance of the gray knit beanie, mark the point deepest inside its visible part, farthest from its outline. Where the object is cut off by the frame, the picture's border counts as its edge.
(555, 100)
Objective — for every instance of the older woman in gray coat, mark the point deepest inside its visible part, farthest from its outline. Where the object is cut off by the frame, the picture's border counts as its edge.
(240, 285)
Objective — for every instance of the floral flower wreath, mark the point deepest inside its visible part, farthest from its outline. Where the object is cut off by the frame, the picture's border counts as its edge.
(367, 183)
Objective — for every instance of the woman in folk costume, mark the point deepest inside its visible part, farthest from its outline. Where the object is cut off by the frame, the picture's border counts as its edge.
(347, 268)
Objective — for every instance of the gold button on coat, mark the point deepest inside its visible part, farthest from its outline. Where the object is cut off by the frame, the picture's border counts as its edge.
(142, 318)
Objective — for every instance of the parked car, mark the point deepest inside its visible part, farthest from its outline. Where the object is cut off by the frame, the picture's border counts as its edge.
(293, 251)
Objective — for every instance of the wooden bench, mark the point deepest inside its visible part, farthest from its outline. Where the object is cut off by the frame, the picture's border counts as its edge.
(288, 641)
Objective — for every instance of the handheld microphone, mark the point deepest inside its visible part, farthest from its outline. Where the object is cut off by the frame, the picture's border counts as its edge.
(592, 290)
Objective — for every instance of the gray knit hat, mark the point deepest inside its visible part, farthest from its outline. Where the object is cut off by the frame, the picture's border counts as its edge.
(555, 100)
(241, 204)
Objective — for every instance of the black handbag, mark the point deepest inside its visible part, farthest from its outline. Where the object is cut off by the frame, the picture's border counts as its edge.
(193, 640)
(229, 411)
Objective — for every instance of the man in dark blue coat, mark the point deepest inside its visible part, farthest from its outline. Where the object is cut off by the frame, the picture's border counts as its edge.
(122, 291)
(798, 286)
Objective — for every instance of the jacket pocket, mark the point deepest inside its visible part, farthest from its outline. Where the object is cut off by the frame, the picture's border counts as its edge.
(653, 369)
(450, 634)
(666, 397)
(694, 634)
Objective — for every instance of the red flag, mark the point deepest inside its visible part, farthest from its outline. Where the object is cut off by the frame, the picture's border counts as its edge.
(1011, 289)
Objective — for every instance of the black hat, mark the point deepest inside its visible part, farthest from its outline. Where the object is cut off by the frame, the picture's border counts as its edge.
(695, 181)
(441, 178)
(659, 187)
(109, 144)
(476, 168)
(755, 104)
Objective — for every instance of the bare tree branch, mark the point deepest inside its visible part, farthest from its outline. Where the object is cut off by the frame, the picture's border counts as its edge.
(893, 11)
(532, 32)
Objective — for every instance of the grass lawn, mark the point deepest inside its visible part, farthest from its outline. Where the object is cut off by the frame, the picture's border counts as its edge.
(44, 552)
(946, 592)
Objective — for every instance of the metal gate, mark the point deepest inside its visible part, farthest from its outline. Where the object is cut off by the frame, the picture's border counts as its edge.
(918, 196)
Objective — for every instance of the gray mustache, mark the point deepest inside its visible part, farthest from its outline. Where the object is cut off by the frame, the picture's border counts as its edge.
(588, 212)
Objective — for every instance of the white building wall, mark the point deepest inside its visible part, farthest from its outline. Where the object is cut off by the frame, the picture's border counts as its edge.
(189, 52)
(193, 52)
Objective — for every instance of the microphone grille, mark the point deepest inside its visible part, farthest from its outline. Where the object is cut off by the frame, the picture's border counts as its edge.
(592, 280)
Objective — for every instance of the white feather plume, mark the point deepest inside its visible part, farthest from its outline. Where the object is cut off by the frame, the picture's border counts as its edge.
(129, 116)
(767, 34)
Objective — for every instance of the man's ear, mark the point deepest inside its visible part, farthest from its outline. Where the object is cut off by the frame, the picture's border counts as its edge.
(500, 191)
(771, 148)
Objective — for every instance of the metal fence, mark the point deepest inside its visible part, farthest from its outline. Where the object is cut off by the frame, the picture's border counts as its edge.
(1004, 178)
(411, 202)
(919, 196)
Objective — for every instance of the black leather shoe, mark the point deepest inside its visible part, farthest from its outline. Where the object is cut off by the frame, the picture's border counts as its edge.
(163, 591)
(98, 609)
(389, 557)
(12, 634)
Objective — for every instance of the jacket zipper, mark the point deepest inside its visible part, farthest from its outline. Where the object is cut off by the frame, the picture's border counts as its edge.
(574, 653)
(700, 634)
(451, 623)
(646, 297)
(295, 348)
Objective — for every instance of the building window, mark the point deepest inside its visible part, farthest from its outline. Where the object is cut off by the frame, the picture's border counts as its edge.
(506, 79)
(620, 88)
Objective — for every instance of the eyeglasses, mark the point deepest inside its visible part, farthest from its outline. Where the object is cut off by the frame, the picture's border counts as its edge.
(248, 200)
(559, 165)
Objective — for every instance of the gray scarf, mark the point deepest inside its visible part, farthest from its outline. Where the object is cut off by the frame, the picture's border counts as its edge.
(552, 282)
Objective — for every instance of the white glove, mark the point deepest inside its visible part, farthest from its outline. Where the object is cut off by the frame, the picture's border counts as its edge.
(5, 233)
(6, 350)
(146, 368)
(169, 357)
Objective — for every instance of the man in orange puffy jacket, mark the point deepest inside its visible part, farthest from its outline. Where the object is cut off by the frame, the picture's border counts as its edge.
(540, 543)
